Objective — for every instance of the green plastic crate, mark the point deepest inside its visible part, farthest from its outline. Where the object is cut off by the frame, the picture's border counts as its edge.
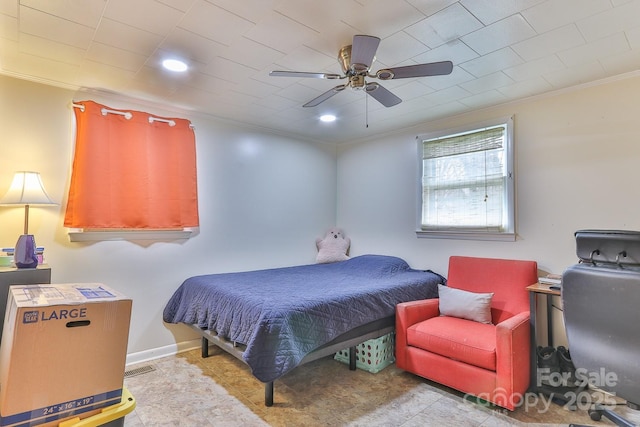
(373, 355)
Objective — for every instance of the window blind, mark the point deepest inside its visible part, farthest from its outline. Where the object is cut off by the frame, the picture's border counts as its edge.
(464, 182)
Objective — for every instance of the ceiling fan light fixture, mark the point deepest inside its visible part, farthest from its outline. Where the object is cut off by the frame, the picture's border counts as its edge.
(327, 118)
(175, 65)
(384, 74)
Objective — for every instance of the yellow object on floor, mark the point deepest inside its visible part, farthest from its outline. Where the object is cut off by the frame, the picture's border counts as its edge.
(110, 416)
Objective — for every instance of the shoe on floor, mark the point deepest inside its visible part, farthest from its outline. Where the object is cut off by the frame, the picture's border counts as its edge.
(566, 365)
(548, 366)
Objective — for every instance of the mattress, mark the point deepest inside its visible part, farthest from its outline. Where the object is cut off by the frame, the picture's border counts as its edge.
(283, 314)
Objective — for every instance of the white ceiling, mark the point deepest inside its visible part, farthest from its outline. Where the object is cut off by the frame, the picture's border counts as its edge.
(502, 50)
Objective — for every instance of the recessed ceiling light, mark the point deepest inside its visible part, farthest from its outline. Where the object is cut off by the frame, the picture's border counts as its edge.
(327, 118)
(174, 65)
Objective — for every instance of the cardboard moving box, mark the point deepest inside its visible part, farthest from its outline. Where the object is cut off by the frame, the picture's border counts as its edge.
(63, 352)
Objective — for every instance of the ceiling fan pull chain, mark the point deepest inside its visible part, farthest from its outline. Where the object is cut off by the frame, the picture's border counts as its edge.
(366, 109)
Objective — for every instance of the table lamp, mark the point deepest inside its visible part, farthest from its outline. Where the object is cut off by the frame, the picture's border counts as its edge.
(26, 189)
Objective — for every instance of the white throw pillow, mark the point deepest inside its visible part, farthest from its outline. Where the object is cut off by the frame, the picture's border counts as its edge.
(465, 304)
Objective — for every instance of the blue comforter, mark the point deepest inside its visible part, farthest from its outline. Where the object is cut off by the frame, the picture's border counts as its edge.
(283, 314)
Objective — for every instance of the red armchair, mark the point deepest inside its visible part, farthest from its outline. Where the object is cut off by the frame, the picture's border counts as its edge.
(490, 361)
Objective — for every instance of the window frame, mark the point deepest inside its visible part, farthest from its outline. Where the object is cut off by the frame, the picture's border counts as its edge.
(509, 234)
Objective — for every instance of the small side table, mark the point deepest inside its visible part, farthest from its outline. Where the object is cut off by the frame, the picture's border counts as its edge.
(535, 290)
(19, 276)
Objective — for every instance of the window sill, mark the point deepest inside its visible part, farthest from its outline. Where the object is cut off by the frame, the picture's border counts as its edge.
(96, 236)
(466, 235)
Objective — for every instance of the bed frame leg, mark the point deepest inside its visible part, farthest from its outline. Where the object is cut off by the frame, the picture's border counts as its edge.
(268, 394)
(352, 358)
(205, 347)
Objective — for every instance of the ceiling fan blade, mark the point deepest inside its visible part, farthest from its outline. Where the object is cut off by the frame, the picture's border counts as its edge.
(305, 74)
(419, 70)
(363, 51)
(382, 95)
(328, 94)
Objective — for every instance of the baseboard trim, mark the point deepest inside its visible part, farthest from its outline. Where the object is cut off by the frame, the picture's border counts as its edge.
(159, 352)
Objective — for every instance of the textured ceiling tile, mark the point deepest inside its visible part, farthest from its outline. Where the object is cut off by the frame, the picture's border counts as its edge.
(37, 23)
(148, 15)
(322, 16)
(50, 49)
(498, 35)
(398, 48)
(488, 82)
(124, 36)
(181, 5)
(612, 21)
(381, 18)
(621, 63)
(280, 32)
(545, 44)
(429, 7)
(582, 73)
(454, 51)
(185, 44)
(444, 26)
(550, 15)
(251, 10)
(489, 11)
(252, 54)
(484, 99)
(590, 52)
(115, 57)
(526, 88)
(535, 68)
(215, 23)
(85, 12)
(490, 63)
(228, 70)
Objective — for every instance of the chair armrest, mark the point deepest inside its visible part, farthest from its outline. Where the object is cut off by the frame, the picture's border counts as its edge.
(407, 314)
(412, 312)
(513, 353)
(513, 322)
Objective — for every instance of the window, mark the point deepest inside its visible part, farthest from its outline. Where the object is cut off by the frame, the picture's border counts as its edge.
(467, 183)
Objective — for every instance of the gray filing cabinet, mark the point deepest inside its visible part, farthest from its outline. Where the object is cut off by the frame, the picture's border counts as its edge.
(19, 276)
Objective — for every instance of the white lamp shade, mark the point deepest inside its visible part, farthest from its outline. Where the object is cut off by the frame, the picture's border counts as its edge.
(26, 189)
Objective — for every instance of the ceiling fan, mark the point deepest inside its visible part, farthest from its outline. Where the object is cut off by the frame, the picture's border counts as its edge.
(356, 60)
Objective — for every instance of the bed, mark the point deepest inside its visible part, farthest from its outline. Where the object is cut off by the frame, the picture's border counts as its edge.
(277, 319)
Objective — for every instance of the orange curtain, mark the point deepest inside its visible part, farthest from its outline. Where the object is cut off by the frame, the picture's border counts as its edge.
(130, 173)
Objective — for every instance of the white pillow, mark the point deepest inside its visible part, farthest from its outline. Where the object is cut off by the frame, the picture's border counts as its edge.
(465, 304)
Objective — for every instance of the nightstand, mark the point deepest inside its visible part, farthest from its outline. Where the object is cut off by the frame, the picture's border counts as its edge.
(19, 276)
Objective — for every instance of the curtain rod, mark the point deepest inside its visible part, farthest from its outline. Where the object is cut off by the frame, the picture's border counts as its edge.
(128, 115)
(157, 119)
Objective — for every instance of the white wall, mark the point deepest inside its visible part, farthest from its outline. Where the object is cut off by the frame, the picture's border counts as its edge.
(576, 162)
(263, 200)
(577, 156)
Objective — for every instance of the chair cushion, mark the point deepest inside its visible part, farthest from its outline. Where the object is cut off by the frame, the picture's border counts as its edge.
(464, 340)
(464, 304)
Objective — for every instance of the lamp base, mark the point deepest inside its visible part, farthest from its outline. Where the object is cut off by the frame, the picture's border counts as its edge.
(24, 255)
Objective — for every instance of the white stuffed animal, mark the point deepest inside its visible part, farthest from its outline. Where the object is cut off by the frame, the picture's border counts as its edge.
(333, 247)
